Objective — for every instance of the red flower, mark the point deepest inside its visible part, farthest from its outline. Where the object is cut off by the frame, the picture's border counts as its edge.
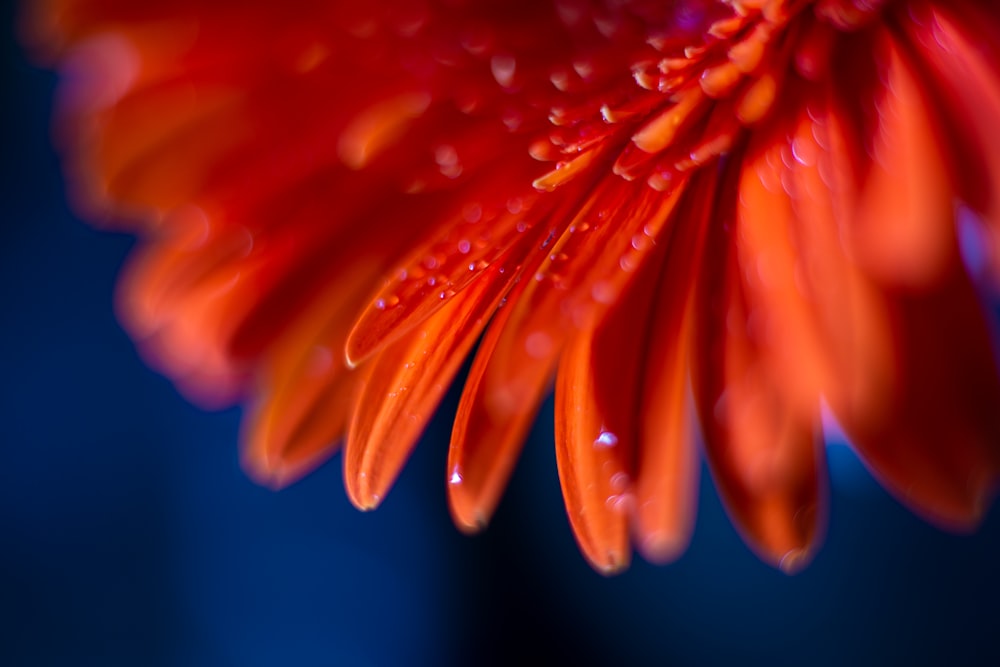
(757, 204)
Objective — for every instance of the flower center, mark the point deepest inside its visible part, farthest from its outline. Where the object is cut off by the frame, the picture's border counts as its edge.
(714, 70)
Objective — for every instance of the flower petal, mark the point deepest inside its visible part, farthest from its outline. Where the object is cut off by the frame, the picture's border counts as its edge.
(958, 48)
(851, 331)
(595, 441)
(608, 240)
(901, 227)
(764, 454)
(465, 242)
(936, 445)
(304, 388)
(402, 386)
(662, 302)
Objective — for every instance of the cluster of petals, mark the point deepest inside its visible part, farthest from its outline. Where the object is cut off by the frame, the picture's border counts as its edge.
(714, 225)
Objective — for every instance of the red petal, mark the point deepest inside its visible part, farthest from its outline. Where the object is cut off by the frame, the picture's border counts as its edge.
(608, 240)
(305, 388)
(595, 439)
(402, 386)
(465, 241)
(902, 226)
(765, 455)
(936, 446)
(958, 47)
(667, 465)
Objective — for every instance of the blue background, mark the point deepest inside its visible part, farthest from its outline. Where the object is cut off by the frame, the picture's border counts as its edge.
(129, 535)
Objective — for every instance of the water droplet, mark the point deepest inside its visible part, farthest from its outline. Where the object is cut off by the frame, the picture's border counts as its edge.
(321, 360)
(619, 481)
(619, 502)
(583, 69)
(464, 246)
(560, 79)
(503, 69)
(512, 120)
(387, 302)
(603, 292)
(538, 345)
(606, 439)
(472, 213)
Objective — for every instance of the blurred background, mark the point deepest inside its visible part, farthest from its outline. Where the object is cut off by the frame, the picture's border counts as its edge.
(130, 536)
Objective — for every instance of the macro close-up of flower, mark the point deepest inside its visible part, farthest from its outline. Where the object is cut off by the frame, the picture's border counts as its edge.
(717, 228)
(656, 332)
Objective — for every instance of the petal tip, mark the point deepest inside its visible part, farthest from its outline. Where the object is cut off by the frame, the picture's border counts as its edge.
(794, 561)
(614, 562)
(468, 512)
(471, 525)
(663, 548)
(365, 503)
(359, 492)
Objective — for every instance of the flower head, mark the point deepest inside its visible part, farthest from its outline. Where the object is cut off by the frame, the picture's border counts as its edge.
(732, 217)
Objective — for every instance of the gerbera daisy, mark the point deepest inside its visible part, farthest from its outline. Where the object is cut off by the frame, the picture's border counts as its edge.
(732, 218)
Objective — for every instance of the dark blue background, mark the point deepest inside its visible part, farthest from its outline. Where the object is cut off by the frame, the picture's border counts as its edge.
(129, 535)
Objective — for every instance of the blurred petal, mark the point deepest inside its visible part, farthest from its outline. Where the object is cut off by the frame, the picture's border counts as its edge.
(765, 454)
(936, 445)
(667, 460)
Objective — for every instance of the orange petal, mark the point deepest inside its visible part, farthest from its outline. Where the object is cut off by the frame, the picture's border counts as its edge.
(402, 386)
(305, 387)
(765, 456)
(936, 446)
(595, 439)
(667, 460)
(299, 424)
(508, 379)
(903, 223)
(958, 47)
(783, 318)
(464, 244)
(845, 310)
(608, 240)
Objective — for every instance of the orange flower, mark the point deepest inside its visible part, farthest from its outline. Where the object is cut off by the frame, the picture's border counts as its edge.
(738, 214)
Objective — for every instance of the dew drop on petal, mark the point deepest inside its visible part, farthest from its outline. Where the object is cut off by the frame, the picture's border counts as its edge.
(606, 439)
(538, 345)
(603, 292)
(503, 68)
(473, 213)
